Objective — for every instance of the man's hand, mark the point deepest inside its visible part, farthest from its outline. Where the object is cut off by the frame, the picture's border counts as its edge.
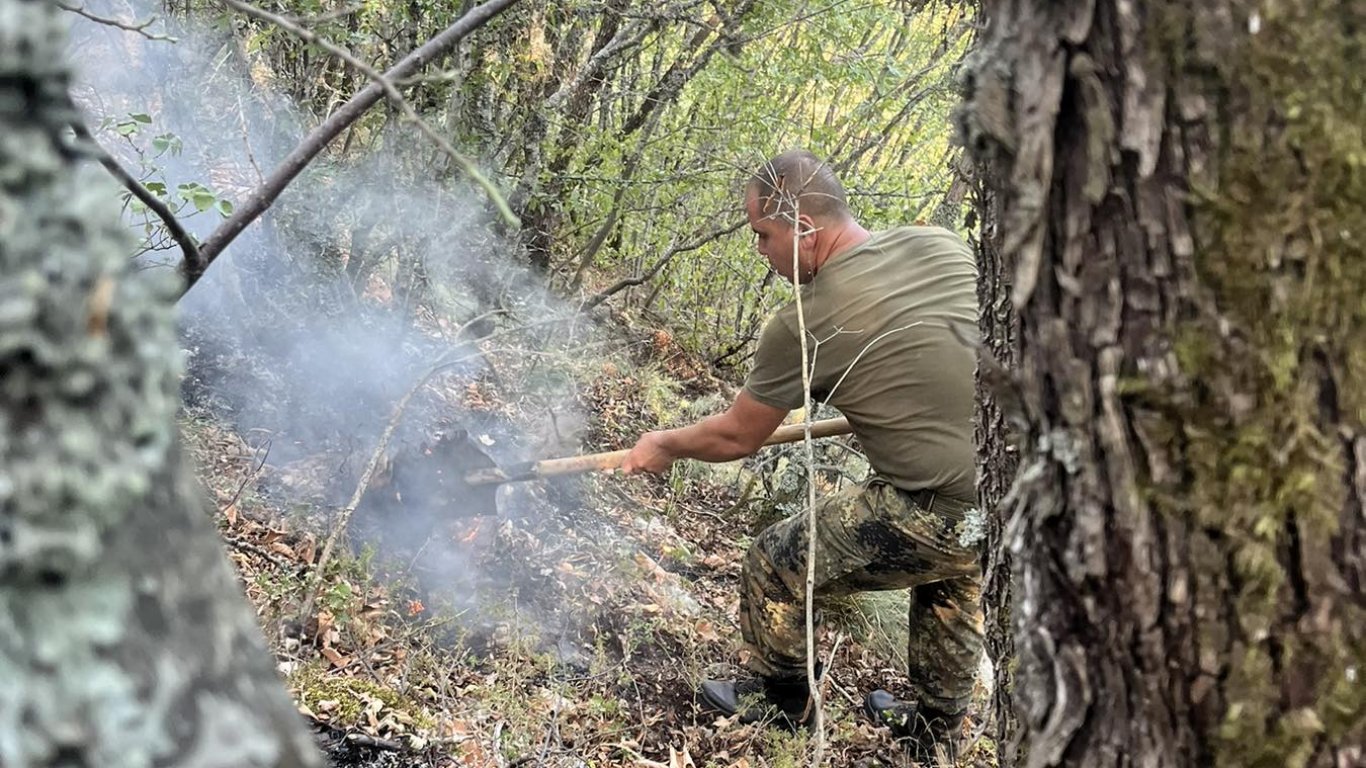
(649, 455)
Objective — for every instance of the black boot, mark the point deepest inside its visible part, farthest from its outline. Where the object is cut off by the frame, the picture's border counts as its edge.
(920, 727)
(783, 702)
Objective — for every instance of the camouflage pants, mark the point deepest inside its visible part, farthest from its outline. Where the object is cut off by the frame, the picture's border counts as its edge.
(869, 537)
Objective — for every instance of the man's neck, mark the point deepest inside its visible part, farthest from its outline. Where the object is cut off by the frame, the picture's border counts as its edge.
(845, 236)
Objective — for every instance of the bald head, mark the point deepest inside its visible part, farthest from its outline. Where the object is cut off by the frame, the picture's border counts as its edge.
(798, 180)
(799, 215)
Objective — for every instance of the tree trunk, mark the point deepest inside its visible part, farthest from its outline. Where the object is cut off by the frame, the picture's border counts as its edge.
(124, 636)
(995, 435)
(1183, 198)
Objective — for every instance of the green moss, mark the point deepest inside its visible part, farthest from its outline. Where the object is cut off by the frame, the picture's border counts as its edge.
(1280, 228)
(352, 695)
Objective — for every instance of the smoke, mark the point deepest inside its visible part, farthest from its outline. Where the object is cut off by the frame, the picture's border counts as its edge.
(319, 317)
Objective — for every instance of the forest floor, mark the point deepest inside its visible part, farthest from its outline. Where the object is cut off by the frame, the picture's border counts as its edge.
(570, 628)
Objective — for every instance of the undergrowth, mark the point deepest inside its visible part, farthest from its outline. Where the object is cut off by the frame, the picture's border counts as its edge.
(599, 605)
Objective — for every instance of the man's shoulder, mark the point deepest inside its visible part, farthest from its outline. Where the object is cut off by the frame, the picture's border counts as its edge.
(923, 249)
(920, 235)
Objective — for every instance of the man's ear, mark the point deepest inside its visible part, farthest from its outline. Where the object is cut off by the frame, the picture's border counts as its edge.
(806, 233)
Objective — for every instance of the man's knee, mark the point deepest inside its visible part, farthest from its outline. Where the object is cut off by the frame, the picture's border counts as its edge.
(776, 559)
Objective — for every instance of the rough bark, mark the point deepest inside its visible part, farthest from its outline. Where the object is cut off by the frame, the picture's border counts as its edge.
(124, 637)
(996, 431)
(1182, 195)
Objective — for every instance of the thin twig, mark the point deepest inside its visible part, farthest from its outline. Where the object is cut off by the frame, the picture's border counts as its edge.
(860, 355)
(246, 140)
(140, 27)
(668, 256)
(551, 728)
(849, 697)
(834, 649)
(813, 684)
(189, 249)
(250, 474)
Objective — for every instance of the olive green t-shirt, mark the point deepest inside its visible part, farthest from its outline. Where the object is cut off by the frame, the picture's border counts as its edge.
(879, 319)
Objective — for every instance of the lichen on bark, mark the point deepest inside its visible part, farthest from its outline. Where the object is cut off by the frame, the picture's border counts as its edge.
(124, 637)
(1182, 197)
(76, 336)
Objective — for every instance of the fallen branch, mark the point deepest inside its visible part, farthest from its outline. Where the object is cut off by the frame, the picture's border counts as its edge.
(188, 248)
(373, 742)
(344, 519)
(274, 559)
(854, 703)
(299, 158)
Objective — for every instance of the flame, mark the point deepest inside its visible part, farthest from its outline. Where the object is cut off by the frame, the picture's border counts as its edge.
(472, 532)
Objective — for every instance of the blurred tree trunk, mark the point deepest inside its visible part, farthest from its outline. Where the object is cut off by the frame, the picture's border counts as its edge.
(1182, 199)
(124, 636)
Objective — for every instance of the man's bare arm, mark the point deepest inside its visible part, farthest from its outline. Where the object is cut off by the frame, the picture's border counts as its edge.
(733, 434)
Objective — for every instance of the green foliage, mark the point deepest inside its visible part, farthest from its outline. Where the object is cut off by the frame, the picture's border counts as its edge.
(867, 86)
(829, 83)
(190, 197)
(132, 125)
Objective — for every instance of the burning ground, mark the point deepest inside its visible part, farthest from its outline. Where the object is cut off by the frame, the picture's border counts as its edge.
(569, 627)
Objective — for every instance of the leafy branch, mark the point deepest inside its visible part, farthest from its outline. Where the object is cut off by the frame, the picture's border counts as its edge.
(312, 144)
(390, 91)
(155, 204)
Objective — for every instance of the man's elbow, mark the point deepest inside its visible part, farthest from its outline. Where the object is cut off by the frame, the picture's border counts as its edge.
(745, 427)
(746, 444)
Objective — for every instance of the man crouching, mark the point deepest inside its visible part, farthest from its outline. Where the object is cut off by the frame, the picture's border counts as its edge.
(889, 310)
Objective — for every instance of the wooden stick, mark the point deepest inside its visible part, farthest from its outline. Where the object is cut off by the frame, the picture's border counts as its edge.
(593, 462)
